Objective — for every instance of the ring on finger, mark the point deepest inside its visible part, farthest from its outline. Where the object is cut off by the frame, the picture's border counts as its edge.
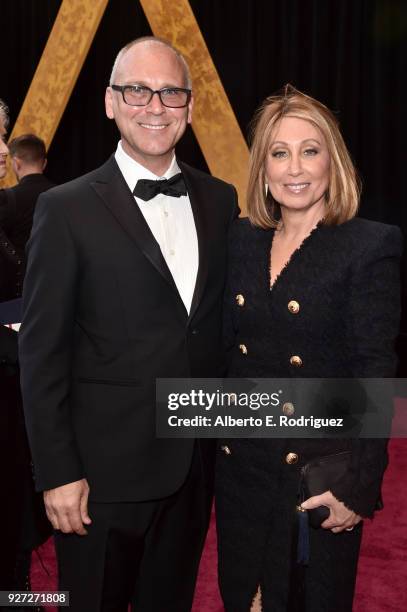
(350, 528)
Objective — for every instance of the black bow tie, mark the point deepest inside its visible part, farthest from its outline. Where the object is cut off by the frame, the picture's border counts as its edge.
(147, 189)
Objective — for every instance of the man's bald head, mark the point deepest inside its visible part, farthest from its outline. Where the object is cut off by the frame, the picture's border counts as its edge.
(151, 40)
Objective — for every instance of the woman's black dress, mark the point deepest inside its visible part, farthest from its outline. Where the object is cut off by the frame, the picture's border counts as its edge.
(345, 280)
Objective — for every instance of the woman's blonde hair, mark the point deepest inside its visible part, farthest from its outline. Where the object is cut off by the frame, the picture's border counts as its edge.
(342, 197)
(4, 112)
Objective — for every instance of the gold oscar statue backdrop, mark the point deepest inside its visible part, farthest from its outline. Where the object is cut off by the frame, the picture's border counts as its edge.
(214, 122)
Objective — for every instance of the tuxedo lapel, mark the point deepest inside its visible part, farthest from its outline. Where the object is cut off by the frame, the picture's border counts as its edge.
(114, 192)
(196, 193)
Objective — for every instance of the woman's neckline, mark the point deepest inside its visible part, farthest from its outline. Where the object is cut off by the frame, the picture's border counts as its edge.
(293, 255)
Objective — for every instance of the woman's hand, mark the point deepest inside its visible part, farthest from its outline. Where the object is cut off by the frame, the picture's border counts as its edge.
(340, 517)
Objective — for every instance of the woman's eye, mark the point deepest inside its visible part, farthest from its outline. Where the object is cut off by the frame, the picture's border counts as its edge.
(279, 154)
(311, 152)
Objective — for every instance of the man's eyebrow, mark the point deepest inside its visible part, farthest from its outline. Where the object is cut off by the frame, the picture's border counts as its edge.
(134, 82)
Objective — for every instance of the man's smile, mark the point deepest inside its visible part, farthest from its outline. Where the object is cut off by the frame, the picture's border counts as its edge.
(152, 126)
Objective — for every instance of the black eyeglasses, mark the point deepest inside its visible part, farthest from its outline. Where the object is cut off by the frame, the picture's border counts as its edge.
(139, 95)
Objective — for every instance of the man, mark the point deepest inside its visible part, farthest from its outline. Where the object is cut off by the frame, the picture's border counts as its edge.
(124, 285)
(28, 160)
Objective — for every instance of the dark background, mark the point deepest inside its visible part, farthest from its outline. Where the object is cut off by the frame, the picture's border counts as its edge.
(350, 54)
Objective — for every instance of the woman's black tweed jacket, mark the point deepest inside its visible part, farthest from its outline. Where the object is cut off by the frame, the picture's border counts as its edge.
(345, 280)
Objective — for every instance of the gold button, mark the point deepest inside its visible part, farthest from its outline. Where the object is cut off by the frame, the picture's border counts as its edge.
(291, 458)
(293, 307)
(239, 299)
(243, 349)
(295, 360)
(288, 408)
(226, 450)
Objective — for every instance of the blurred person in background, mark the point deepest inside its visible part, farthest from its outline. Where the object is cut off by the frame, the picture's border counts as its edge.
(28, 160)
(3, 132)
(22, 510)
(4, 264)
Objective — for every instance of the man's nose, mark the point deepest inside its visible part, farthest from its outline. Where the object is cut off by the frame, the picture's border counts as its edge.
(155, 105)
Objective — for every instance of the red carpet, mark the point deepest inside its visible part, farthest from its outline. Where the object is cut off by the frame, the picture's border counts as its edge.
(382, 576)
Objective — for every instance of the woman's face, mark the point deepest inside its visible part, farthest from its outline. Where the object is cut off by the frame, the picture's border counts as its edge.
(297, 165)
(3, 148)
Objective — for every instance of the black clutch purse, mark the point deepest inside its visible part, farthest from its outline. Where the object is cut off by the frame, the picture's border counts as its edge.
(318, 476)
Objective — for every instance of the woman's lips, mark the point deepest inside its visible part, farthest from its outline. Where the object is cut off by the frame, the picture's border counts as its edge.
(296, 187)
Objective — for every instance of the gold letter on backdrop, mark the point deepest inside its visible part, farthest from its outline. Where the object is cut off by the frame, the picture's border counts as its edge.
(214, 122)
(61, 62)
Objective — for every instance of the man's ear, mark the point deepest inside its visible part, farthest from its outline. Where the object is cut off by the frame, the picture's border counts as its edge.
(109, 103)
(190, 107)
(16, 165)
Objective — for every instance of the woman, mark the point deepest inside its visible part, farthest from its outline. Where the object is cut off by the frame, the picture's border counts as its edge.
(22, 510)
(4, 265)
(3, 132)
(312, 292)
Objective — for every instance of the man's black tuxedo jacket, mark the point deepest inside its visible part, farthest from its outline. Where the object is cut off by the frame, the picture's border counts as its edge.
(102, 320)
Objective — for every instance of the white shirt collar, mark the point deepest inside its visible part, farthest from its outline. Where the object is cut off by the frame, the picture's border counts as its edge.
(133, 171)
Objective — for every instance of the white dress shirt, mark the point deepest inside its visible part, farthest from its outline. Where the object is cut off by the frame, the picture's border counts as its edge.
(171, 222)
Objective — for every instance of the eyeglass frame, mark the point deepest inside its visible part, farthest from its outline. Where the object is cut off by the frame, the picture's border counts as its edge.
(122, 89)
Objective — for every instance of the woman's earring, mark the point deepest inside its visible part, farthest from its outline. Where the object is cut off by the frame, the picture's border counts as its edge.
(266, 189)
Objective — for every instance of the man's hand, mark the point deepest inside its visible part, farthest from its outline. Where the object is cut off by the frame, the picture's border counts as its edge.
(67, 507)
(340, 517)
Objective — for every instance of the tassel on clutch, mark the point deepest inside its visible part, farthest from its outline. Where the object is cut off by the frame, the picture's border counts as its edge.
(318, 476)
